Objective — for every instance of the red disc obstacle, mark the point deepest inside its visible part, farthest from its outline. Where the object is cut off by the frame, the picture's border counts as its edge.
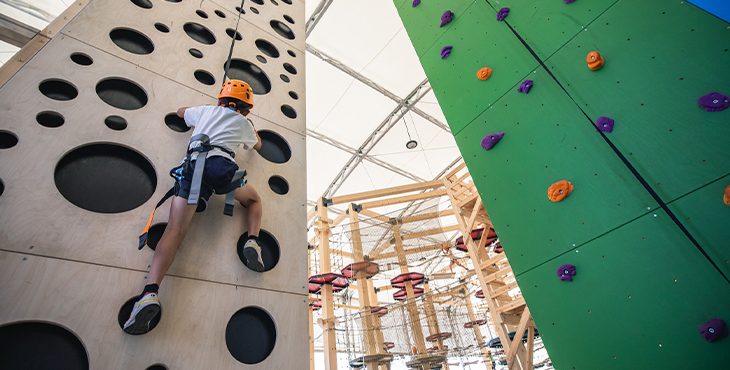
(416, 278)
(370, 268)
(437, 336)
(402, 295)
(476, 234)
(380, 310)
(337, 281)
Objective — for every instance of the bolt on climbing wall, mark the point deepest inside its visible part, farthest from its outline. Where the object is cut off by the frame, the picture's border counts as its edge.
(88, 134)
(640, 215)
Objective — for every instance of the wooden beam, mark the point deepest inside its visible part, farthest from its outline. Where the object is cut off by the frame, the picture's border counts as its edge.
(427, 216)
(409, 251)
(328, 325)
(455, 170)
(404, 199)
(15, 32)
(517, 340)
(511, 306)
(358, 197)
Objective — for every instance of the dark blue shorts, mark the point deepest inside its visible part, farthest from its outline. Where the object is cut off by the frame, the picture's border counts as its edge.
(218, 171)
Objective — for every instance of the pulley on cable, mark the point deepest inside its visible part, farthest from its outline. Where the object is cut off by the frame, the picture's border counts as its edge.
(411, 144)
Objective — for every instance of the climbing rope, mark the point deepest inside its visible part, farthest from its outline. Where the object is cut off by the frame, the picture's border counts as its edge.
(233, 41)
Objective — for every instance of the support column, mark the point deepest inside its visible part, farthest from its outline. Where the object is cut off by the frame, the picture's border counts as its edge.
(412, 306)
(362, 290)
(328, 309)
(311, 315)
(432, 320)
(478, 332)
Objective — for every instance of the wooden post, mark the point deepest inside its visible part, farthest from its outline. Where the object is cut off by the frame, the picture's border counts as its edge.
(328, 312)
(478, 332)
(362, 289)
(411, 306)
(311, 316)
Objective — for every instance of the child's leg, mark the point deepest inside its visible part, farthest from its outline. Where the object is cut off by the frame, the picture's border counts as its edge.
(248, 196)
(177, 226)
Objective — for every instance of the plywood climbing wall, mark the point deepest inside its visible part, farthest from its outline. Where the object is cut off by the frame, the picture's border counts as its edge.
(88, 134)
(642, 286)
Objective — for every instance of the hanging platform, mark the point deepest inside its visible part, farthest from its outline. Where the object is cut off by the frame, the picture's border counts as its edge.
(337, 281)
(380, 310)
(416, 278)
(476, 234)
(479, 294)
(472, 323)
(381, 358)
(370, 268)
(402, 295)
(315, 306)
(426, 360)
(388, 345)
(437, 336)
(436, 349)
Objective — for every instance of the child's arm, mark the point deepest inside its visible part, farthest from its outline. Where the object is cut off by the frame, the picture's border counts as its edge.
(256, 146)
(181, 112)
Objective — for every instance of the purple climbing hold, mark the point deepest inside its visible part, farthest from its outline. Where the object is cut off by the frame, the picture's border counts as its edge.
(491, 140)
(416, 2)
(714, 102)
(446, 18)
(569, 1)
(566, 272)
(445, 52)
(503, 13)
(525, 87)
(714, 329)
(604, 124)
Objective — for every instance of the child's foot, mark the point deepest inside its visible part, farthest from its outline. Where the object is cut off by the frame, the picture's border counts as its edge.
(142, 313)
(252, 252)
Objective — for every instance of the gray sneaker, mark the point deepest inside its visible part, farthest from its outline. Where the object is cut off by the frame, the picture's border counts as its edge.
(142, 313)
(252, 252)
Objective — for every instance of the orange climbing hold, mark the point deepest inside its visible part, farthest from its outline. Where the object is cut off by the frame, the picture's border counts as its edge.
(559, 190)
(484, 73)
(595, 60)
(726, 198)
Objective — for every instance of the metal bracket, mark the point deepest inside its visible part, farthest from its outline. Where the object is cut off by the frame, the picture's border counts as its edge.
(356, 207)
(327, 201)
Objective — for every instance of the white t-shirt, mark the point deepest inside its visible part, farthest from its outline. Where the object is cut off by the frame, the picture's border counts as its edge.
(224, 127)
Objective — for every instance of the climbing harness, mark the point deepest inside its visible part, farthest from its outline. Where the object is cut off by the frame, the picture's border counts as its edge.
(199, 144)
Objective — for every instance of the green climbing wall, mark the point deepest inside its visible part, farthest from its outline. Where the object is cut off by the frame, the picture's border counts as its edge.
(642, 286)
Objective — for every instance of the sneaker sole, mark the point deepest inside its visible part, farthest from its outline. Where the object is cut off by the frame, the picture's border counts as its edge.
(141, 323)
(253, 259)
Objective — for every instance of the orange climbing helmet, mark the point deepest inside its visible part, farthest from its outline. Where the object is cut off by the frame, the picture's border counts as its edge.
(237, 89)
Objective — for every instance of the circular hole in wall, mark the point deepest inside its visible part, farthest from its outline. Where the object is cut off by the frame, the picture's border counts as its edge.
(230, 32)
(267, 48)
(274, 2)
(284, 78)
(251, 74)
(204, 77)
(220, 14)
(293, 95)
(287, 1)
(50, 119)
(173, 1)
(154, 234)
(196, 53)
(238, 9)
(201, 13)
(274, 148)
(7, 140)
(58, 90)
(278, 185)
(121, 94)
(250, 335)
(199, 33)
(157, 367)
(254, 10)
(290, 68)
(143, 3)
(126, 311)
(288, 111)
(288, 19)
(162, 28)
(261, 59)
(2, 187)
(40, 345)
(270, 250)
(291, 53)
(86, 177)
(175, 123)
(131, 41)
(282, 29)
(81, 59)
(115, 123)
(260, 2)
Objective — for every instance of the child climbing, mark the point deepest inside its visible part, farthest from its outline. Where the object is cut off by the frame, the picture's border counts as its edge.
(454, 260)
(218, 131)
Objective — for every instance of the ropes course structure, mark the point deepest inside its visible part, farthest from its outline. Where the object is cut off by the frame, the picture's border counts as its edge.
(427, 284)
